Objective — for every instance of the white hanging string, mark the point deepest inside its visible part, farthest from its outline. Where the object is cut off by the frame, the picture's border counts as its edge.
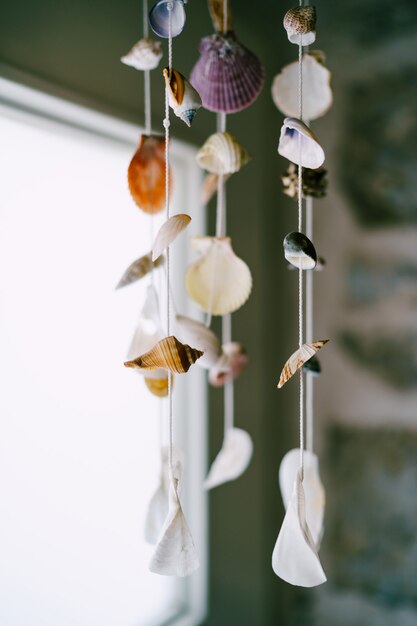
(147, 75)
(300, 271)
(309, 333)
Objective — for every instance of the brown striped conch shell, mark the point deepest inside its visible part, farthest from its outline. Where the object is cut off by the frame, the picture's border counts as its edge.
(300, 24)
(210, 186)
(317, 93)
(232, 460)
(145, 55)
(315, 498)
(298, 358)
(220, 282)
(222, 154)
(221, 22)
(168, 232)
(168, 354)
(138, 269)
(183, 98)
(295, 558)
(146, 174)
(292, 132)
(230, 365)
(199, 335)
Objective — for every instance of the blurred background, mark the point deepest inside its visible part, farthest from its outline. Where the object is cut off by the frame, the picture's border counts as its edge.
(365, 302)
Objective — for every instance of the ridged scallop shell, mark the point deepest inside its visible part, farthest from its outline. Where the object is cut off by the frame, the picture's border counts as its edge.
(168, 354)
(298, 358)
(159, 17)
(145, 55)
(183, 98)
(300, 251)
(300, 24)
(312, 154)
(232, 460)
(197, 334)
(138, 269)
(314, 183)
(168, 232)
(220, 282)
(227, 75)
(222, 154)
(146, 174)
(230, 365)
(317, 93)
(221, 22)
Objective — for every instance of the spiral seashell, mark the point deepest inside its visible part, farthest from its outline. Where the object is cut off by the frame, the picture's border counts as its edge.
(294, 130)
(230, 365)
(300, 251)
(317, 93)
(159, 17)
(183, 98)
(227, 75)
(168, 354)
(300, 24)
(314, 182)
(199, 335)
(138, 269)
(220, 282)
(221, 23)
(222, 154)
(298, 358)
(168, 232)
(158, 386)
(146, 174)
(145, 55)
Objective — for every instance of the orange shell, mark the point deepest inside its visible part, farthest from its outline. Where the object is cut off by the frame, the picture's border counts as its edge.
(146, 174)
(158, 386)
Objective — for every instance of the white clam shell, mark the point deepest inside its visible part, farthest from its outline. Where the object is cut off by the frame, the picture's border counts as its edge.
(183, 98)
(293, 130)
(168, 232)
(220, 282)
(317, 93)
(232, 460)
(315, 498)
(222, 154)
(197, 334)
(145, 55)
(295, 558)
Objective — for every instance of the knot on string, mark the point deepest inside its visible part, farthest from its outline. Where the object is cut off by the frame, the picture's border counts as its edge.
(166, 123)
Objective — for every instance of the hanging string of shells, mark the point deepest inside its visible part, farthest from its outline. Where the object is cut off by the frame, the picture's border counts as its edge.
(302, 92)
(229, 78)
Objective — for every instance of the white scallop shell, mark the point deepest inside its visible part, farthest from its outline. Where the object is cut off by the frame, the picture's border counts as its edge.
(222, 154)
(220, 282)
(197, 334)
(145, 55)
(232, 460)
(317, 93)
(293, 130)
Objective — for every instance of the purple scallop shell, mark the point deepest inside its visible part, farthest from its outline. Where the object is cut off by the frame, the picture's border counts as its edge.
(227, 75)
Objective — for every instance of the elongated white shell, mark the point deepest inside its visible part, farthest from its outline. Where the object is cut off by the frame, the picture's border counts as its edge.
(145, 55)
(220, 282)
(198, 335)
(183, 98)
(317, 93)
(298, 358)
(168, 232)
(312, 154)
(315, 498)
(232, 460)
(295, 557)
(222, 154)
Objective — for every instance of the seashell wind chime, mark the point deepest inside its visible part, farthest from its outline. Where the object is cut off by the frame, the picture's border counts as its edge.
(228, 78)
(302, 92)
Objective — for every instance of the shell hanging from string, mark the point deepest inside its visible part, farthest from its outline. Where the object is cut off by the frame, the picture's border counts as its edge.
(298, 358)
(314, 182)
(183, 98)
(165, 11)
(232, 460)
(199, 335)
(146, 174)
(168, 232)
(139, 269)
(145, 55)
(293, 132)
(222, 154)
(300, 251)
(300, 24)
(168, 354)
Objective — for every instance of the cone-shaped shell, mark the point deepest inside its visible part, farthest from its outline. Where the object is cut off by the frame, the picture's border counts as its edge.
(317, 93)
(197, 334)
(221, 22)
(292, 132)
(168, 354)
(145, 55)
(230, 365)
(138, 269)
(227, 75)
(168, 232)
(159, 17)
(146, 174)
(232, 460)
(183, 98)
(300, 24)
(222, 154)
(220, 282)
(298, 358)
(300, 251)
(295, 557)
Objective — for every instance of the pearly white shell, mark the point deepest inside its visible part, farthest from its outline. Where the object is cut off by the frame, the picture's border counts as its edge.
(183, 98)
(222, 154)
(220, 282)
(168, 232)
(232, 460)
(145, 55)
(317, 93)
(202, 338)
(292, 132)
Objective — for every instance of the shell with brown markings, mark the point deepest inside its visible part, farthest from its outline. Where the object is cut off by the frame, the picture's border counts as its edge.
(168, 354)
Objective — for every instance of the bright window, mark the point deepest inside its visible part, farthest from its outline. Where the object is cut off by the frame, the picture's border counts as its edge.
(79, 433)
